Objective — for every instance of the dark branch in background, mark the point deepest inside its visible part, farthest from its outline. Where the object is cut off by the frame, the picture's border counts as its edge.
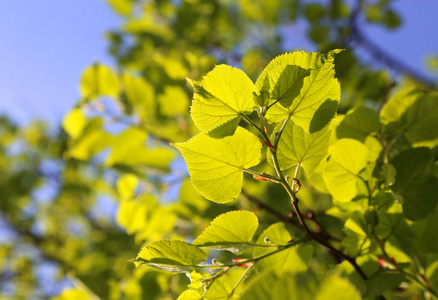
(381, 55)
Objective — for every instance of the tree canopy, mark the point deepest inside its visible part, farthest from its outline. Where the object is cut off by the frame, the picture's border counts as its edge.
(211, 162)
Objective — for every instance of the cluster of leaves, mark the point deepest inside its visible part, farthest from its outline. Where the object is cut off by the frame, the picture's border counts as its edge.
(378, 168)
(82, 202)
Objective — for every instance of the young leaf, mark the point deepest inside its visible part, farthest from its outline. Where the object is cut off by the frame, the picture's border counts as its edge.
(318, 97)
(216, 166)
(347, 158)
(220, 99)
(230, 231)
(297, 146)
(97, 81)
(171, 255)
(286, 82)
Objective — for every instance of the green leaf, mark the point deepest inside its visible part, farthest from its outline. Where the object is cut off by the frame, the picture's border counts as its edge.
(294, 259)
(74, 123)
(126, 185)
(216, 166)
(286, 82)
(129, 148)
(320, 86)
(356, 241)
(91, 141)
(220, 289)
(190, 295)
(140, 95)
(98, 81)
(383, 281)
(173, 101)
(422, 121)
(230, 231)
(347, 158)
(223, 95)
(397, 106)
(415, 183)
(299, 147)
(122, 7)
(171, 255)
(358, 124)
(335, 287)
(286, 286)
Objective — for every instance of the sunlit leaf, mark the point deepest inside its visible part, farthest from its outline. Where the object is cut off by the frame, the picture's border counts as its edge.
(230, 231)
(347, 158)
(221, 98)
(318, 88)
(299, 147)
(216, 166)
(97, 81)
(171, 255)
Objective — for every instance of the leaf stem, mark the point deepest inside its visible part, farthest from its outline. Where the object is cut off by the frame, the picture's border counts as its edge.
(381, 244)
(294, 202)
(251, 122)
(263, 175)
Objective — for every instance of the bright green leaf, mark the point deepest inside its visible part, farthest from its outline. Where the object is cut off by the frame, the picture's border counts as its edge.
(190, 295)
(297, 146)
(230, 231)
(98, 81)
(320, 86)
(129, 148)
(223, 95)
(171, 255)
(294, 259)
(216, 166)
(173, 101)
(126, 185)
(140, 95)
(286, 82)
(347, 158)
(74, 122)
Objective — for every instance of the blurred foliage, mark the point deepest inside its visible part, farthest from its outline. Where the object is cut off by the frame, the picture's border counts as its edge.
(79, 202)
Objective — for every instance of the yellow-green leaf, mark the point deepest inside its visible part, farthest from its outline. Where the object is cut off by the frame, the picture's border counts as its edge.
(297, 146)
(97, 81)
(230, 231)
(171, 255)
(216, 165)
(347, 158)
(316, 103)
(220, 99)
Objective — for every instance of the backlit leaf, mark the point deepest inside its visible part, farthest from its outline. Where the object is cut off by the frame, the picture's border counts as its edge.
(98, 81)
(230, 231)
(216, 165)
(297, 146)
(171, 255)
(320, 86)
(347, 158)
(223, 95)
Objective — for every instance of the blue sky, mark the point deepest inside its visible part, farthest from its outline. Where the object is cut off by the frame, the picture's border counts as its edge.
(45, 45)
